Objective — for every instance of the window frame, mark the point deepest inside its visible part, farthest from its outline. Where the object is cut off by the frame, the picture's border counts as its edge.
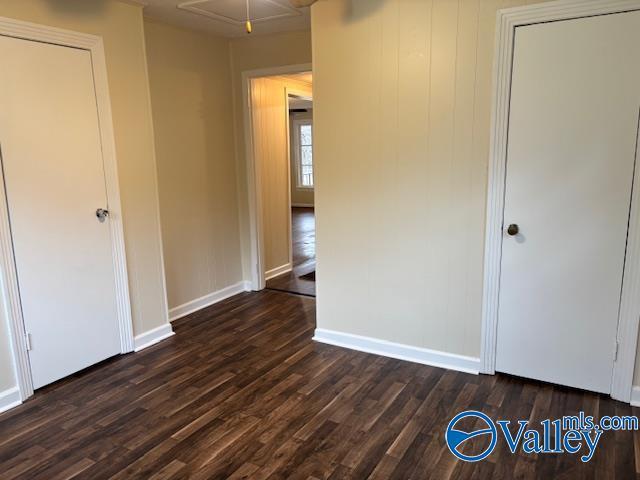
(297, 147)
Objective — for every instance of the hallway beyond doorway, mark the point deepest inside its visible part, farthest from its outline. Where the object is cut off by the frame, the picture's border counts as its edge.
(304, 255)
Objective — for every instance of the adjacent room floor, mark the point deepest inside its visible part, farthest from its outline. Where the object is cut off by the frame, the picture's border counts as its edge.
(301, 279)
(241, 391)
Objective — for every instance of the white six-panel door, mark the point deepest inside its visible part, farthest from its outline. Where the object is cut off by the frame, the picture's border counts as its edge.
(54, 175)
(573, 129)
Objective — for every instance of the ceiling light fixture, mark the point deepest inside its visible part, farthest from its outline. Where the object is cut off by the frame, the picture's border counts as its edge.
(295, 3)
(248, 24)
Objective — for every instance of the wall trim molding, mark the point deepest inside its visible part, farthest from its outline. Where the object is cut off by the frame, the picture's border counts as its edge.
(425, 356)
(9, 288)
(507, 21)
(9, 399)
(153, 336)
(274, 272)
(209, 299)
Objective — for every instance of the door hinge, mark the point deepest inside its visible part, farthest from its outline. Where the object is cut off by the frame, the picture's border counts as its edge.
(27, 341)
(615, 357)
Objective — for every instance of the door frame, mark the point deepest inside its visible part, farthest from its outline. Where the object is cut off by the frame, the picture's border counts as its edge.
(289, 91)
(254, 184)
(506, 23)
(9, 290)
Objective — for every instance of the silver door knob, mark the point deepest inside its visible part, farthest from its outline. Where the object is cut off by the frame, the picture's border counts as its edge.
(102, 214)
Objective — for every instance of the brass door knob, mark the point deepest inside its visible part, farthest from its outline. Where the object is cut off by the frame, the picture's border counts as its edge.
(513, 229)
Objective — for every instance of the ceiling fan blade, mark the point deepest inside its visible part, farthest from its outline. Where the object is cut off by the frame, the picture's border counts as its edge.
(302, 3)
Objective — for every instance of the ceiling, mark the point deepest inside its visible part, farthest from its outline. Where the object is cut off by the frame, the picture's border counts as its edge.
(305, 77)
(227, 17)
(300, 104)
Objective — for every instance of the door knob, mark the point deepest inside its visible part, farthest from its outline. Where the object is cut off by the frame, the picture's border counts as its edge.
(513, 229)
(102, 214)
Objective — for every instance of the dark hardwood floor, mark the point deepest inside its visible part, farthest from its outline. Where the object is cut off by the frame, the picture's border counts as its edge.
(303, 236)
(241, 391)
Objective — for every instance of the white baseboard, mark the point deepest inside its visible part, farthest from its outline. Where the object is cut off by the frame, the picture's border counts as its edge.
(303, 205)
(425, 356)
(278, 271)
(9, 398)
(207, 300)
(635, 396)
(152, 337)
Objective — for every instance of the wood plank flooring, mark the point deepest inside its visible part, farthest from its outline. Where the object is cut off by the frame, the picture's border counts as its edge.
(241, 391)
(303, 236)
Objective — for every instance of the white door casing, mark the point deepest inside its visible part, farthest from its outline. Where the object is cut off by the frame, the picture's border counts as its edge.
(253, 175)
(54, 180)
(575, 97)
(508, 21)
(91, 50)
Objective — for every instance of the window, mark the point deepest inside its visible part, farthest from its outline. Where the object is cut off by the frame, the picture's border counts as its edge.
(304, 154)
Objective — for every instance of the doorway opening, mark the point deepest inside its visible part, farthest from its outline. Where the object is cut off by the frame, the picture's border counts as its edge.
(279, 123)
(301, 278)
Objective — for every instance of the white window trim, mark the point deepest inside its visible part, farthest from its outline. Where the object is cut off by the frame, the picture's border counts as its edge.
(297, 123)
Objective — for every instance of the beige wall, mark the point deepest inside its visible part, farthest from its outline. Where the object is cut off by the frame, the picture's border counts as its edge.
(402, 197)
(190, 81)
(299, 196)
(251, 53)
(402, 106)
(121, 27)
(269, 107)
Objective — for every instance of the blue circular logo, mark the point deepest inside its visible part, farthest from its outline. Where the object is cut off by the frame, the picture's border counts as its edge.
(456, 437)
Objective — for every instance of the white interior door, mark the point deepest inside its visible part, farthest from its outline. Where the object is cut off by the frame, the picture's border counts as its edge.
(572, 143)
(54, 177)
